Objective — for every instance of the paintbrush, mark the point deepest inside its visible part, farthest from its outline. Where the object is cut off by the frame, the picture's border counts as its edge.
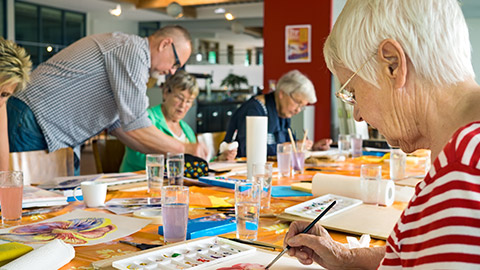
(304, 231)
(304, 138)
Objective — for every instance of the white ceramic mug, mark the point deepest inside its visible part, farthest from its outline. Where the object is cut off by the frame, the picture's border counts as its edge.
(94, 193)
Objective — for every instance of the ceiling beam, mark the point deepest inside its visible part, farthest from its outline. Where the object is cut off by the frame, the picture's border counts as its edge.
(164, 3)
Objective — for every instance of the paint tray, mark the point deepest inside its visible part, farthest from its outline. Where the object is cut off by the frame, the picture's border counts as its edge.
(312, 208)
(190, 255)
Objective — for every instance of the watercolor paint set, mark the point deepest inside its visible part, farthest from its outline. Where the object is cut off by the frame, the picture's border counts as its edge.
(312, 208)
(190, 255)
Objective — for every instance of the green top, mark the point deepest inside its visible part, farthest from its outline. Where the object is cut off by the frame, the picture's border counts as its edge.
(135, 161)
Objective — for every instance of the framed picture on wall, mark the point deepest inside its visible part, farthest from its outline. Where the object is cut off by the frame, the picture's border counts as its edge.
(298, 43)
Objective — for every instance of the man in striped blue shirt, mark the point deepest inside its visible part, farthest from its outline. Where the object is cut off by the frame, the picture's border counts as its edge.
(98, 83)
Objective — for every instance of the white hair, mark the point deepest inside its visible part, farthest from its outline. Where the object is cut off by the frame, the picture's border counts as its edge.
(433, 34)
(295, 81)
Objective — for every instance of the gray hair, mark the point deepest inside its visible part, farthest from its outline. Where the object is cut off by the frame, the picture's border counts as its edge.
(15, 64)
(184, 81)
(173, 31)
(433, 34)
(295, 81)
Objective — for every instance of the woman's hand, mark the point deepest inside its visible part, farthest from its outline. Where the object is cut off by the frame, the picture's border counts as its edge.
(228, 155)
(323, 144)
(316, 246)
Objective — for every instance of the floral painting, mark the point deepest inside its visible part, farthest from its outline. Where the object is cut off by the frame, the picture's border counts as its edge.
(77, 228)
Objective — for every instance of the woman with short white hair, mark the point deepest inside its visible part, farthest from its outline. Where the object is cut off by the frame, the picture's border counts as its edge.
(15, 68)
(406, 68)
(293, 92)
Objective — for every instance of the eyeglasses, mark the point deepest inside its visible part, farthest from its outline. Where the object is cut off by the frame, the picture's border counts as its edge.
(347, 96)
(299, 104)
(183, 100)
(177, 64)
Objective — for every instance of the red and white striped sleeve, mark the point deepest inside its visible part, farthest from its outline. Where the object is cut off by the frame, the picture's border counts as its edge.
(440, 228)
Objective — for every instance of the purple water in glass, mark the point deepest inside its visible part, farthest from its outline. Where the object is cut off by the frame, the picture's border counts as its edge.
(175, 217)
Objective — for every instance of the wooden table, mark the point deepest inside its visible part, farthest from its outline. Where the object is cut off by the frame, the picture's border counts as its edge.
(272, 230)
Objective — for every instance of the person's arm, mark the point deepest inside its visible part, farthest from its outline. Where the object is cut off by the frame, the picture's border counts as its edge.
(317, 246)
(152, 140)
(4, 150)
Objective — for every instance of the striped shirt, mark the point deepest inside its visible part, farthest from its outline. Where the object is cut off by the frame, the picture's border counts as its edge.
(440, 229)
(96, 83)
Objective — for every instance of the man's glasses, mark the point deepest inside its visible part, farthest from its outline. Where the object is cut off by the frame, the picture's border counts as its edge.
(347, 96)
(177, 64)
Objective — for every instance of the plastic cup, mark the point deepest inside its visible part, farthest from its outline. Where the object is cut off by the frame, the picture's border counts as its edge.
(247, 209)
(11, 195)
(155, 167)
(174, 213)
(356, 145)
(370, 175)
(284, 159)
(262, 175)
(344, 144)
(175, 167)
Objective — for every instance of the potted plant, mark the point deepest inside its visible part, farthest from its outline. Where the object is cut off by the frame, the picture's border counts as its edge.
(234, 82)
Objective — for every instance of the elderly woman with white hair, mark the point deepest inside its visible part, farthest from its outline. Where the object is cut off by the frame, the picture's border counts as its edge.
(406, 68)
(294, 92)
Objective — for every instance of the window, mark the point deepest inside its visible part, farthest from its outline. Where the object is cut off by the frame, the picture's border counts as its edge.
(230, 55)
(259, 59)
(44, 31)
(248, 58)
(145, 29)
(3, 18)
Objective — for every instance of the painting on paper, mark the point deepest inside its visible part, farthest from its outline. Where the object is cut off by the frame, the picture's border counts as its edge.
(77, 228)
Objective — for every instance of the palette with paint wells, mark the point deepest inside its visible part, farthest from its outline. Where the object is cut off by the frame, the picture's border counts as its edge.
(312, 208)
(191, 255)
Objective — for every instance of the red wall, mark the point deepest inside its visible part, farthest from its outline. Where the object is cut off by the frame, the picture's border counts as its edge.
(317, 13)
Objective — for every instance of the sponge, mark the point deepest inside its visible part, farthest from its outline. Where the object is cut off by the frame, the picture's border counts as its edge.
(11, 251)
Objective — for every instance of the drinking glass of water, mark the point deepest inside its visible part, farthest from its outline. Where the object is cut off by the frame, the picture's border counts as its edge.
(371, 175)
(175, 164)
(155, 167)
(262, 175)
(247, 209)
(174, 213)
(284, 159)
(11, 194)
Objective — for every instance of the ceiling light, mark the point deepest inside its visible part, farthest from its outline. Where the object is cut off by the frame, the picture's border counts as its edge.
(117, 11)
(219, 11)
(199, 57)
(175, 10)
(49, 48)
(229, 16)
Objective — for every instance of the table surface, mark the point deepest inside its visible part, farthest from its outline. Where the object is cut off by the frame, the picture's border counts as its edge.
(271, 229)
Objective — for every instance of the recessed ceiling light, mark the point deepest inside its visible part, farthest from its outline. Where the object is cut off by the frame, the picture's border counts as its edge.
(219, 11)
(229, 16)
(117, 11)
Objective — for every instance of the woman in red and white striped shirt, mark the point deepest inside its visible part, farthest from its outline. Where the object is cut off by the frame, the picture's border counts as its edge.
(406, 68)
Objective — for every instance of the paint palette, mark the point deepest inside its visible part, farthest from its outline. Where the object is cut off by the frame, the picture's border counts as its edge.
(191, 255)
(312, 208)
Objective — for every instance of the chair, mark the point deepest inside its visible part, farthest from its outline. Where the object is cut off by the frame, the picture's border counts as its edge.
(108, 154)
(40, 166)
(212, 140)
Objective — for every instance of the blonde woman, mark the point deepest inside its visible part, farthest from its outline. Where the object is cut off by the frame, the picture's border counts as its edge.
(15, 67)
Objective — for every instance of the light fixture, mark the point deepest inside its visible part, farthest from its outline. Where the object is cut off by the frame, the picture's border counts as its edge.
(175, 10)
(49, 48)
(199, 57)
(219, 10)
(229, 16)
(117, 11)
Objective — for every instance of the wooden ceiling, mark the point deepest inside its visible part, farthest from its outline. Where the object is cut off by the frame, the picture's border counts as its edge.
(153, 4)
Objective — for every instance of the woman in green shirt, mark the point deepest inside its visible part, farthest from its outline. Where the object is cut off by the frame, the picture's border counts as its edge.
(179, 93)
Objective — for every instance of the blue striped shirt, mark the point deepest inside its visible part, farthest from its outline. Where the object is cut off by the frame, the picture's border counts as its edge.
(98, 82)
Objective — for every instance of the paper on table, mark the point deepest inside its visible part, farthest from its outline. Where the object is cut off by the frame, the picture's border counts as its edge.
(256, 141)
(80, 228)
(53, 255)
(350, 186)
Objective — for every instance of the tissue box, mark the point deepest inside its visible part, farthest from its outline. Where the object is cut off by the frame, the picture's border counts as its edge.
(208, 226)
